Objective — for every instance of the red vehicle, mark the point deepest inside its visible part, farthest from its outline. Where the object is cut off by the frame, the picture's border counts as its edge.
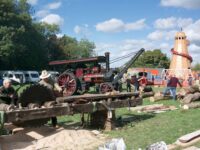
(83, 73)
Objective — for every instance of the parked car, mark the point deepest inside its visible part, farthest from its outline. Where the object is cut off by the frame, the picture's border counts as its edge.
(15, 76)
(31, 76)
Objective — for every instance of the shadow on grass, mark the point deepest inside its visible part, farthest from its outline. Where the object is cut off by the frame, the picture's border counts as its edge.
(132, 118)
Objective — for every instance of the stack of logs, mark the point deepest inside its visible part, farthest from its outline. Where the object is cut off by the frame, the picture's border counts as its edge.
(190, 97)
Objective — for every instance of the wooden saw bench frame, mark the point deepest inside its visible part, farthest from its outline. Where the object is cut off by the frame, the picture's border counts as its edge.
(91, 104)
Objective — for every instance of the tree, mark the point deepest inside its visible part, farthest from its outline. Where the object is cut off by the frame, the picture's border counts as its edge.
(21, 45)
(196, 67)
(74, 49)
(152, 59)
(28, 44)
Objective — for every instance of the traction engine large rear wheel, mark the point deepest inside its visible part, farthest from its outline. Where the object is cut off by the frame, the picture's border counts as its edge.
(69, 83)
(105, 87)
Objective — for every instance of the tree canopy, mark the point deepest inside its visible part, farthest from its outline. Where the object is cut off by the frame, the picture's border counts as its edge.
(153, 59)
(28, 44)
(196, 67)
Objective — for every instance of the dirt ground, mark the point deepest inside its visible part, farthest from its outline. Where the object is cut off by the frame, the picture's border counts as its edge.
(46, 138)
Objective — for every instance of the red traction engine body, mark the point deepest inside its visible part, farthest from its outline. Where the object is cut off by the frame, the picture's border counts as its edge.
(83, 73)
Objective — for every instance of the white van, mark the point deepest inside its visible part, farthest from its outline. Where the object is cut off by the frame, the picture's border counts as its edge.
(31, 76)
(17, 76)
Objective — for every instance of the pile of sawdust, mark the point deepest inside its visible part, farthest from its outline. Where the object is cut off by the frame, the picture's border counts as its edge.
(49, 139)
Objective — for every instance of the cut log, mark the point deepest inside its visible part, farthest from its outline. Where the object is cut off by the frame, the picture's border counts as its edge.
(192, 148)
(153, 108)
(157, 109)
(139, 108)
(147, 94)
(188, 137)
(191, 98)
(183, 145)
(191, 105)
(159, 98)
(192, 89)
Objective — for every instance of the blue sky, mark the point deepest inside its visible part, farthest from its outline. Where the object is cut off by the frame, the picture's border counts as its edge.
(124, 26)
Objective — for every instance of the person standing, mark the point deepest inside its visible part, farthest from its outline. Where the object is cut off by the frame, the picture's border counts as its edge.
(135, 82)
(190, 80)
(142, 82)
(128, 85)
(48, 82)
(172, 85)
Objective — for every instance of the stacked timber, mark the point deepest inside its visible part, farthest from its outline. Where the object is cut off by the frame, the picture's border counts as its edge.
(191, 99)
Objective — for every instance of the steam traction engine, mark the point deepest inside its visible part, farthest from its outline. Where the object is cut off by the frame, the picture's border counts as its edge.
(83, 73)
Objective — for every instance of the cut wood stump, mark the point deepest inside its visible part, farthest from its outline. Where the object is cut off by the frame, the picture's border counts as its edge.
(191, 105)
(103, 119)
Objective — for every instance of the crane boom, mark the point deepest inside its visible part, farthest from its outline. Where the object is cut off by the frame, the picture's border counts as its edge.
(125, 68)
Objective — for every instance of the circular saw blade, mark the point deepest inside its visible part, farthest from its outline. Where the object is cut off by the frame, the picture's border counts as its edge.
(37, 94)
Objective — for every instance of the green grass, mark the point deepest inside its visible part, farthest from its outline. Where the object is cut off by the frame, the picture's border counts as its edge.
(142, 129)
(146, 128)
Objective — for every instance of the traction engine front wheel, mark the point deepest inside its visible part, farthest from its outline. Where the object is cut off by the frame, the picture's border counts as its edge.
(68, 82)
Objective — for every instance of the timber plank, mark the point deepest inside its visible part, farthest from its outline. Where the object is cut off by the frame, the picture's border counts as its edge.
(188, 137)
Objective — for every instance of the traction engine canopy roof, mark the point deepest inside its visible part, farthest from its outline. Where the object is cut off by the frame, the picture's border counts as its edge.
(100, 59)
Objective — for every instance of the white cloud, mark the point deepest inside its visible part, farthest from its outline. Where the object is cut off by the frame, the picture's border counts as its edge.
(54, 5)
(42, 13)
(140, 24)
(77, 29)
(192, 32)
(122, 48)
(83, 29)
(53, 19)
(156, 35)
(189, 4)
(160, 35)
(193, 48)
(172, 22)
(117, 25)
(32, 2)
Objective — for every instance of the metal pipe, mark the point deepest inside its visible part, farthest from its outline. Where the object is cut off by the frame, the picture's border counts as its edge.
(107, 55)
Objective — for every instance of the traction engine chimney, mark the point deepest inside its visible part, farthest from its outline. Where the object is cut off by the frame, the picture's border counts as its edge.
(107, 55)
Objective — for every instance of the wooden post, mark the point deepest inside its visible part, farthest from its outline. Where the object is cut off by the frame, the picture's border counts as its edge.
(103, 119)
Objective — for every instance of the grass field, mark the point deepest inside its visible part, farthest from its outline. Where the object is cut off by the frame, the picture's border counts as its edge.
(141, 129)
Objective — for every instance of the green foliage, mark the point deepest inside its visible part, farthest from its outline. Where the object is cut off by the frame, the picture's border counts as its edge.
(196, 67)
(27, 44)
(152, 59)
(76, 49)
